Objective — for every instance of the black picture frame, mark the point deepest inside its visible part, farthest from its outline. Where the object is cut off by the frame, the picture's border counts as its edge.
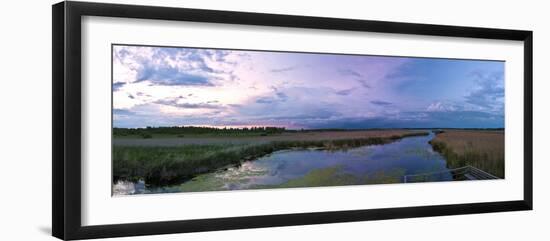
(66, 128)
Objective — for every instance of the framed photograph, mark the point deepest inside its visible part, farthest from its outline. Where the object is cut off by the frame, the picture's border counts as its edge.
(169, 120)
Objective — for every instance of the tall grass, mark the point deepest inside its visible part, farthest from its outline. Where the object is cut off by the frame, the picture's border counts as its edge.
(480, 149)
(173, 164)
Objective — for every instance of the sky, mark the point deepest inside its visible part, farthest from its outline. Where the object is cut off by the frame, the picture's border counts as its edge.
(165, 86)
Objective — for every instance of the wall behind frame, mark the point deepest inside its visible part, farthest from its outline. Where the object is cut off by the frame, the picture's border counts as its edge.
(25, 104)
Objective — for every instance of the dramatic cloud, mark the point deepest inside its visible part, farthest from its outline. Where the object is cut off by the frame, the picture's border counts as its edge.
(170, 66)
(187, 86)
(489, 93)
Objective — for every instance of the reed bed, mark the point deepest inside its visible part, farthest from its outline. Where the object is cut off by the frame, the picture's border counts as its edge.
(481, 149)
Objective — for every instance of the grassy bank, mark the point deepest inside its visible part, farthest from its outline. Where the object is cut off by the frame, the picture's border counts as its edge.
(173, 164)
(481, 149)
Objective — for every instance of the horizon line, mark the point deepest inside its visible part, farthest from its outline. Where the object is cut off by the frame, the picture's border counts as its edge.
(367, 128)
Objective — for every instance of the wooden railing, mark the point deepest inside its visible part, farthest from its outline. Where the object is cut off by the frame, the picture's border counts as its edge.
(461, 173)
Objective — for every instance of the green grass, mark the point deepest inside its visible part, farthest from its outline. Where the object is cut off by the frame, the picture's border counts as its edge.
(334, 176)
(385, 177)
(330, 176)
(159, 166)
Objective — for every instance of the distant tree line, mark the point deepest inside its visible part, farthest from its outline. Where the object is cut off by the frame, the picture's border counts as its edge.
(149, 131)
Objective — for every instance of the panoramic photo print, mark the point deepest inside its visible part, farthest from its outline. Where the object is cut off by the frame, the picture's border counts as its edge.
(198, 119)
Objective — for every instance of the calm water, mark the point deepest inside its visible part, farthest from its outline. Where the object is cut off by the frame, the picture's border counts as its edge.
(297, 168)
